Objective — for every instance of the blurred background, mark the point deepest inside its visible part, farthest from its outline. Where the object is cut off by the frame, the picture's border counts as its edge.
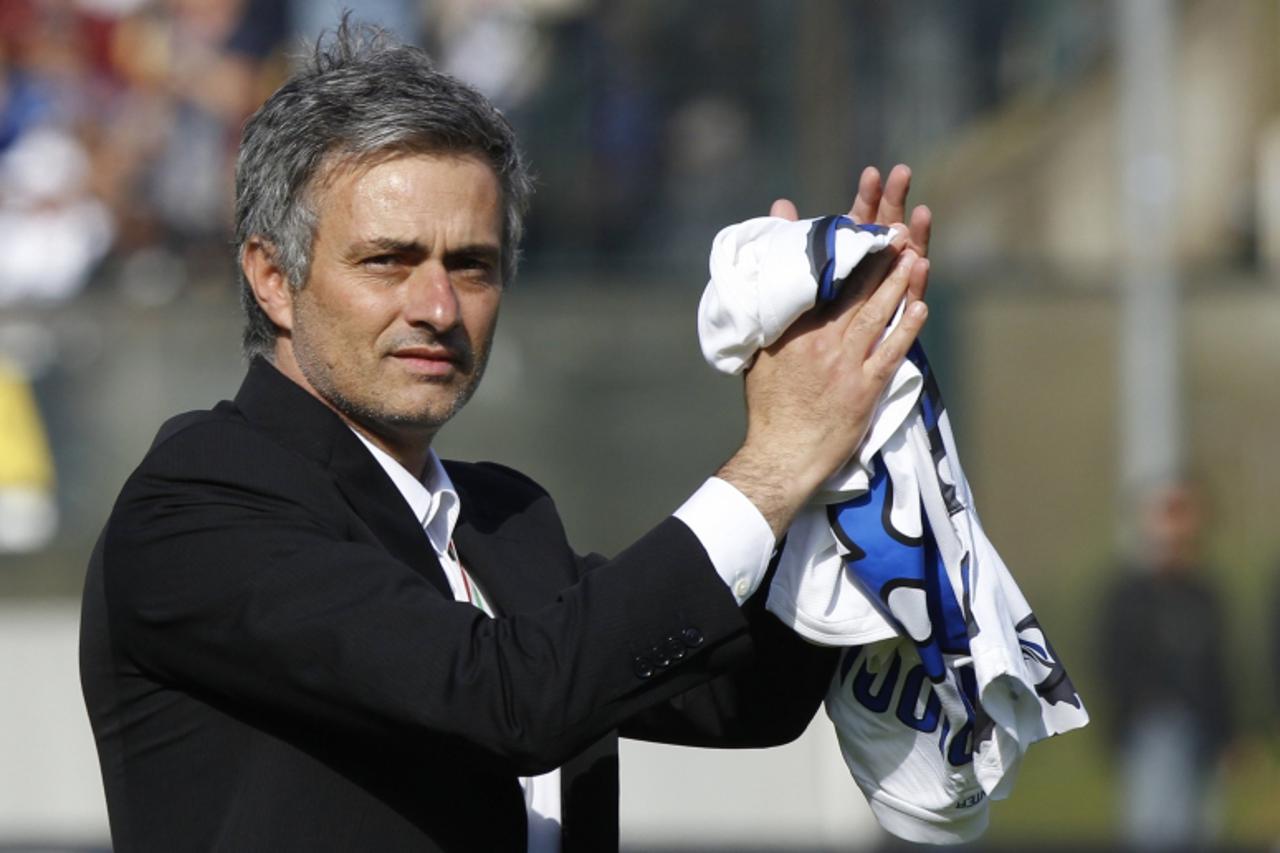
(1105, 324)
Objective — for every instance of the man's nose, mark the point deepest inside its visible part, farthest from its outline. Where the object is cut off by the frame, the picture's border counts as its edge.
(430, 298)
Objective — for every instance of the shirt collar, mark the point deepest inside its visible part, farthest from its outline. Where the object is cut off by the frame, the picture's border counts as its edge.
(433, 498)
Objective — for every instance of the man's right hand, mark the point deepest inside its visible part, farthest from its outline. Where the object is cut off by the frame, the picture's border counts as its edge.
(811, 395)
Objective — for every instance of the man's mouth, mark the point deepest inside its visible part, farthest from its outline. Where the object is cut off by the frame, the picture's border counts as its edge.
(430, 361)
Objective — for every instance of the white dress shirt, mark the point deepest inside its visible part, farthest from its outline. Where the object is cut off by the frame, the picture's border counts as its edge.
(734, 534)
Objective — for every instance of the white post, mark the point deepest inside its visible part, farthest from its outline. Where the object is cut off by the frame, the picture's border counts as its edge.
(1150, 405)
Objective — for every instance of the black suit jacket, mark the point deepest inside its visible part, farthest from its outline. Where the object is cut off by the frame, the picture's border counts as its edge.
(272, 658)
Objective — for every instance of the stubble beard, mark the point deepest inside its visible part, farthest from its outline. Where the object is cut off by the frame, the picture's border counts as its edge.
(334, 384)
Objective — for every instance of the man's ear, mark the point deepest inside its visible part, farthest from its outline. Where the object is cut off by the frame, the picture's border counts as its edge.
(268, 280)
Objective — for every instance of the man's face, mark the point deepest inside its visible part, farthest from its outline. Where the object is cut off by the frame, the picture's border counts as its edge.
(394, 324)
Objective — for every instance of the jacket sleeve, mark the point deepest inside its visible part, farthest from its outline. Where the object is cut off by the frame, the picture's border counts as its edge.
(767, 702)
(239, 582)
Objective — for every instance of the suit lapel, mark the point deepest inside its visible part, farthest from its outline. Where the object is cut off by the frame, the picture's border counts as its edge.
(278, 405)
(493, 561)
(500, 549)
(381, 506)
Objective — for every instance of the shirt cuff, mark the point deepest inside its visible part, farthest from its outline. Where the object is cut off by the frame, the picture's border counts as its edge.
(732, 532)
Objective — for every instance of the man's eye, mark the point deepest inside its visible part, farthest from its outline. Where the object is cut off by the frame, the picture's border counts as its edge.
(481, 265)
(381, 261)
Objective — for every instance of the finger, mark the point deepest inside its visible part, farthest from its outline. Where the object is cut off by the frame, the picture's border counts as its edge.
(918, 281)
(894, 204)
(867, 203)
(884, 361)
(920, 229)
(784, 209)
(870, 318)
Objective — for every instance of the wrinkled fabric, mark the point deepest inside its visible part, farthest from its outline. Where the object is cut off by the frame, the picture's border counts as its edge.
(947, 677)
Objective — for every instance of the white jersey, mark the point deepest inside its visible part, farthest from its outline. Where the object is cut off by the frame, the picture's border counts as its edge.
(947, 677)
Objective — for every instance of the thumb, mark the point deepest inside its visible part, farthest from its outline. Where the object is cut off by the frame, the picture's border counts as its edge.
(784, 209)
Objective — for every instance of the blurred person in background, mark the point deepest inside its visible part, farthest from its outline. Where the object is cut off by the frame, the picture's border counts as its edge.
(1163, 642)
(303, 631)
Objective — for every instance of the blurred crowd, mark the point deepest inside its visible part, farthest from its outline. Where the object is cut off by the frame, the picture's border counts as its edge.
(119, 118)
(118, 122)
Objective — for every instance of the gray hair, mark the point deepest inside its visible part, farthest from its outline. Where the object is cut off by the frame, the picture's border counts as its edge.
(361, 95)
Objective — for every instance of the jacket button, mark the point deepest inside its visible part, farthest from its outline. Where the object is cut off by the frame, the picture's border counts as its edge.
(692, 637)
(672, 649)
(642, 667)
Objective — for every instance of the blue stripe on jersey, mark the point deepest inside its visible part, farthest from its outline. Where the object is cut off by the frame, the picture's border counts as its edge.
(822, 251)
(883, 559)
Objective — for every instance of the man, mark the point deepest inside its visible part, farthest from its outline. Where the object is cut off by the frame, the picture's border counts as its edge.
(303, 632)
(1162, 642)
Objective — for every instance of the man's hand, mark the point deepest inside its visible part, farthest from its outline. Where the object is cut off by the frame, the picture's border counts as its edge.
(887, 205)
(884, 205)
(810, 395)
